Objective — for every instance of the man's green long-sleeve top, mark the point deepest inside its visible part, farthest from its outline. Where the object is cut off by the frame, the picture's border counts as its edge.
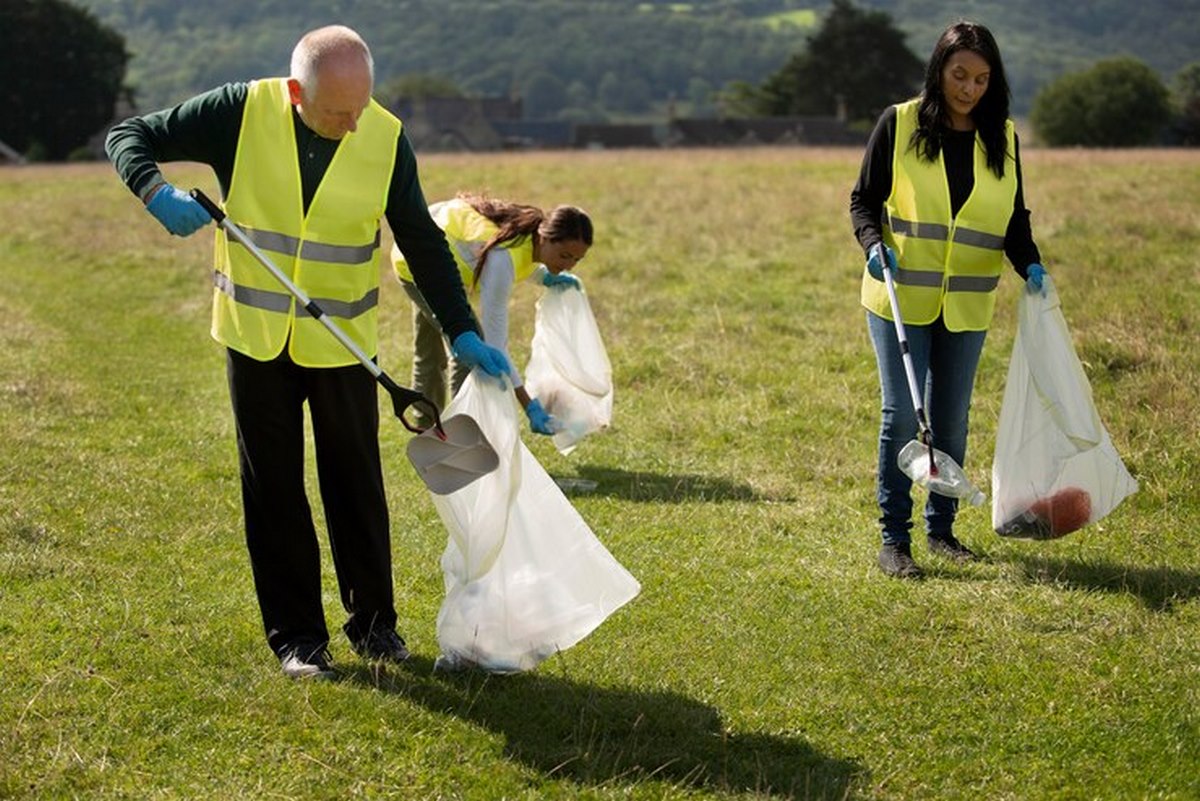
(205, 129)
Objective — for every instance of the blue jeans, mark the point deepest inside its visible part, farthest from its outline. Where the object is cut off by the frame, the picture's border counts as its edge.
(945, 364)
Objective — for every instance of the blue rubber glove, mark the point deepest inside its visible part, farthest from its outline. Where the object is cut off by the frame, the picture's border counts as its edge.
(560, 280)
(474, 352)
(1035, 277)
(539, 419)
(875, 266)
(178, 211)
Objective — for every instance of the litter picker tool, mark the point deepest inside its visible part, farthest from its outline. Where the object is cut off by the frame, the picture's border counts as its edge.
(924, 464)
(449, 454)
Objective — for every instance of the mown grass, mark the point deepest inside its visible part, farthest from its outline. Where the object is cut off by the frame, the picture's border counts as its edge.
(766, 656)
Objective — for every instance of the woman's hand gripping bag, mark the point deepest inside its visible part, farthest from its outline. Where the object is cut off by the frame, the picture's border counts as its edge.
(568, 370)
(1055, 468)
(525, 576)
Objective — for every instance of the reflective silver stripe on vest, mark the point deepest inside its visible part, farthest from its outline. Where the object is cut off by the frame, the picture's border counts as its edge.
(918, 277)
(281, 302)
(972, 283)
(937, 231)
(269, 240)
(313, 251)
(249, 296)
(349, 309)
(978, 239)
(917, 230)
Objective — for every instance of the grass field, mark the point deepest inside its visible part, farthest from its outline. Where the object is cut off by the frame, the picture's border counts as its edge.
(766, 656)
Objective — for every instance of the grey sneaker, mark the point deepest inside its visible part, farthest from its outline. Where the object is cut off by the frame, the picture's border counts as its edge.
(306, 662)
(387, 646)
(897, 562)
(947, 545)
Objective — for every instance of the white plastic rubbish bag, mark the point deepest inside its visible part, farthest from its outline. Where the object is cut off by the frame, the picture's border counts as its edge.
(525, 576)
(1055, 468)
(568, 370)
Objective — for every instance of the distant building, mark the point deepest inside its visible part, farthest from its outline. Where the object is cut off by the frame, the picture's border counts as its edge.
(604, 136)
(535, 134)
(456, 123)
(497, 123)
(714, 132)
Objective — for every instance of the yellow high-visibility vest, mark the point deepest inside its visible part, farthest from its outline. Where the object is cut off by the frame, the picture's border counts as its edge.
(331, 252)
(467, 231)
(948, 265)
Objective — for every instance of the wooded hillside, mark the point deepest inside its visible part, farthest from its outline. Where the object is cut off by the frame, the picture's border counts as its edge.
(614, 57)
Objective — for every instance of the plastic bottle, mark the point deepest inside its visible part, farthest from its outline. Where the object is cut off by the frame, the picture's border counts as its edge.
(1026, 525)
(1052, 516)
(575, 484)
(950, 479)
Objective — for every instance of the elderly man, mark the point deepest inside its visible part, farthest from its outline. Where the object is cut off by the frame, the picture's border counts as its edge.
(307, 165)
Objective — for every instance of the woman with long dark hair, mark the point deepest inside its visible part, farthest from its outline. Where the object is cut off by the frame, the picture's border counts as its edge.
(495, 243)
(940, 190)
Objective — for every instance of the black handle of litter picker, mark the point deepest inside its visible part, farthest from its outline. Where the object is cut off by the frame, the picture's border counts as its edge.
(214, 211)
(402, 397)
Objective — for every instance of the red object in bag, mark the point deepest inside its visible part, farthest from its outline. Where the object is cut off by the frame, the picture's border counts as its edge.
(1065, 511)
(1051, 517)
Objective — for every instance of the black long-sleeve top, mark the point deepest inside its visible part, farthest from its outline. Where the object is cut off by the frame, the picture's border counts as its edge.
(958, 151)
(205, 129)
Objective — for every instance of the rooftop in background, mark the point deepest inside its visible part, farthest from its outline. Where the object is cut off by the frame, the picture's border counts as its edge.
(496, 123)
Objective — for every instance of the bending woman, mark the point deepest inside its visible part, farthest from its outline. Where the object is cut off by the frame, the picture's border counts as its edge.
(940, 187)
(495, 243)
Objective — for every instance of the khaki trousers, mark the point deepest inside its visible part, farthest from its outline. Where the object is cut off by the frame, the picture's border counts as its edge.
(433, 361)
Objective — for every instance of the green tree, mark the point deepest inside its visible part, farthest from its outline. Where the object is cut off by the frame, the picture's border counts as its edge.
(544, 95)
(610, 92)
(1119, 102)
(579, 95)
(60, 75)
(415, 85)
(856, 61)
(623, 93)
(741, 99)
(700, 96)
(1187, 102)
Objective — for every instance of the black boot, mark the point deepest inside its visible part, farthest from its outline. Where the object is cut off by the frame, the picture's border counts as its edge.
(947, 545)
(897, 562)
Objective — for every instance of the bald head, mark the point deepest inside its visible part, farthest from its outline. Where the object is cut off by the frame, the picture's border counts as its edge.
(334, 46)
(331, 81)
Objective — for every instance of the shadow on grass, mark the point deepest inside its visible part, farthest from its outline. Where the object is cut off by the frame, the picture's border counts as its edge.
(591, 735)
(668, 488)
(1159, 588)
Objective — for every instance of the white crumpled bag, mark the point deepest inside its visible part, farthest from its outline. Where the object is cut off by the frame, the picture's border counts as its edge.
(524, 574)
(568, 370)
(1055, 468)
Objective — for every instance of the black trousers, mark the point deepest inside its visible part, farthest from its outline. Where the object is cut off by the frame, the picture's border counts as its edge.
(268, 408)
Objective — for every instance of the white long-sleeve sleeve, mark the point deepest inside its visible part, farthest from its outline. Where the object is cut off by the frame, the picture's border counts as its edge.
(495, 289)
